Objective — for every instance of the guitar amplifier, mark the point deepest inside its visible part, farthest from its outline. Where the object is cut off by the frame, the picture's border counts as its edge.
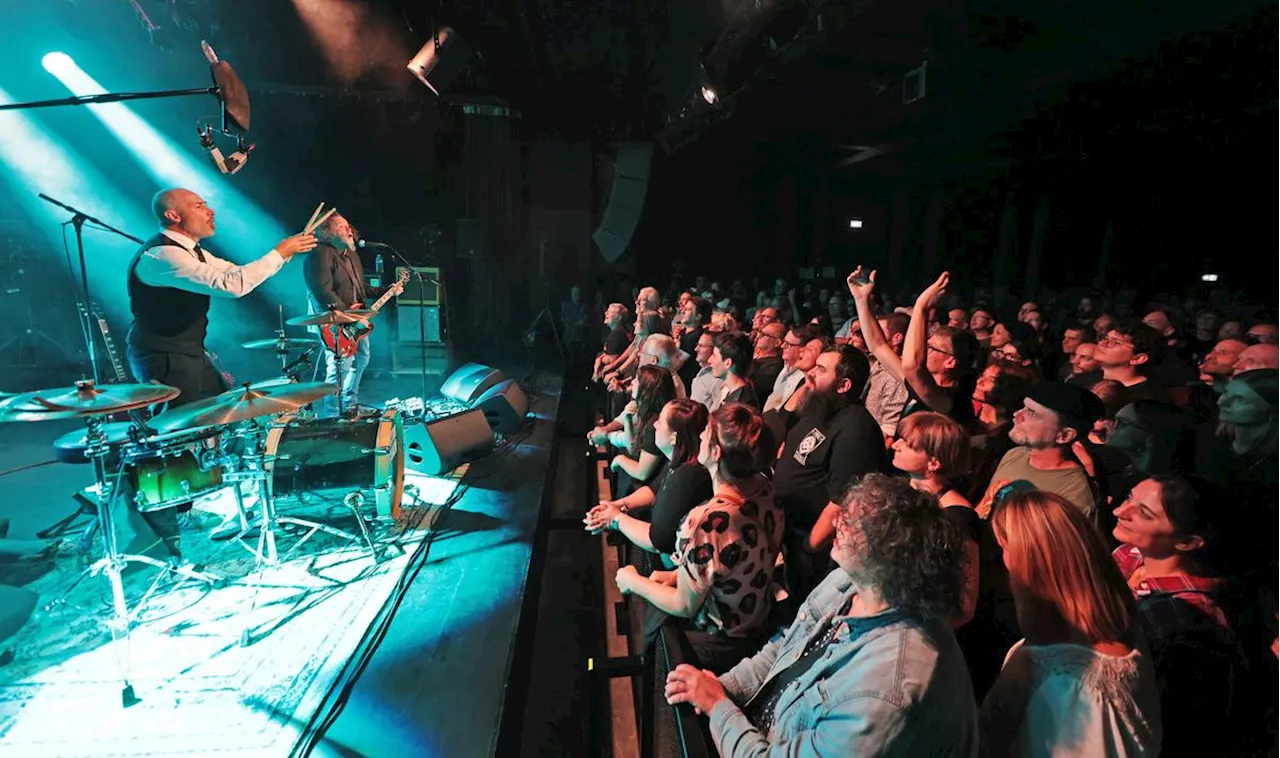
(420, 292)
(409, 323)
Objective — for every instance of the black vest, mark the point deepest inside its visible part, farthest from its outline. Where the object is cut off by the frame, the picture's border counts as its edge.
(165, 319)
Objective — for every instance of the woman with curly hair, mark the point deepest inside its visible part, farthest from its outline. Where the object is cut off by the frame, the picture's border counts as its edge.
(868, 667)
(1077, 683)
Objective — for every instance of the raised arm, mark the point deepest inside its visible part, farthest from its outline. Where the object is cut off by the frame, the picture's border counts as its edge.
(862, 288)
(915, 347)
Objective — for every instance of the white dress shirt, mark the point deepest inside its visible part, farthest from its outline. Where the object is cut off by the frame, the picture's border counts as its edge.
(784, 387)
(177, 266)
(706, 388)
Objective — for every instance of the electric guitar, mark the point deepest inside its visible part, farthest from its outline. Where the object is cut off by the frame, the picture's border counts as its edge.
(343, 339)
(94, 314)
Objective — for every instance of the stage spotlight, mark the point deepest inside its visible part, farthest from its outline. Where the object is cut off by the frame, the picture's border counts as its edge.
(58, 63)
(709, 95)
(855, 223)
(440, 60)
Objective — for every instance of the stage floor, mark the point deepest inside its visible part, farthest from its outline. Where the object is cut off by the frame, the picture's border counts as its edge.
(434, 685)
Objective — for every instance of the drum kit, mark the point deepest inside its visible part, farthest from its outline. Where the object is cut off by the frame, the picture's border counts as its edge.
(262, 433)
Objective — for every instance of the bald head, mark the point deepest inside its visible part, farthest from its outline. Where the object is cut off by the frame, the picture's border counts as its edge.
(1257, 356)
(183, 211)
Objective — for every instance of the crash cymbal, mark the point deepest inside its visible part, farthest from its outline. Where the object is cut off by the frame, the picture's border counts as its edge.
(241, 405)
(283, 344)
(329, 317)
(84, 399)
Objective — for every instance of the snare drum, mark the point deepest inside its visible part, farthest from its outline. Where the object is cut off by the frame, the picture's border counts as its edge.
(167, 470)
(319, 454)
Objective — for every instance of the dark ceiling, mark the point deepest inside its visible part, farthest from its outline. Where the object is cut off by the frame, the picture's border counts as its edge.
(1006, 80)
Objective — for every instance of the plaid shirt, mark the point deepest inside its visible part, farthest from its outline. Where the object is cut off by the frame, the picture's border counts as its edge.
(1169, 604)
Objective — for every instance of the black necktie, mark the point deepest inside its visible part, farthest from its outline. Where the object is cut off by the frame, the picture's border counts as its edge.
(199, 251)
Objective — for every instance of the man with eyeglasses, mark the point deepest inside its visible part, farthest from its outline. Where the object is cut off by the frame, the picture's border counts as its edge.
(800, 348)
(1127, 354)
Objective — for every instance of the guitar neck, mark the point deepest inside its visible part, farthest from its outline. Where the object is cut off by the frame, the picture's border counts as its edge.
(382, 300)
(117, 366)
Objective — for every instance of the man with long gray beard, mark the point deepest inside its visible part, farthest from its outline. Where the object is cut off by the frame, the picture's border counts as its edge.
(831, 440)
(335, 282)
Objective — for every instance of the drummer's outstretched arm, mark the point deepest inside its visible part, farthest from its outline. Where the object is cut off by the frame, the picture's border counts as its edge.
(177, 267)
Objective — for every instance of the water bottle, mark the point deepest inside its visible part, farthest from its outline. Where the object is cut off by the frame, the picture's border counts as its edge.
(377, 265)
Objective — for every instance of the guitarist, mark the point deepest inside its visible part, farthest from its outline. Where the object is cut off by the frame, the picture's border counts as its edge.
(335, 281)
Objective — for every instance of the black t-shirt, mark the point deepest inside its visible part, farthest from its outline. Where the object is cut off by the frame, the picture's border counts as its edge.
(677, 491)
(994, 628)
(961, 406)
(617, 341)
(689, 340)
(745, 394)
(764, 372)
(648, 444)
(820, 459)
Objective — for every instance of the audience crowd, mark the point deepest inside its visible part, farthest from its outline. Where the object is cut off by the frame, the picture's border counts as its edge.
(944, 525)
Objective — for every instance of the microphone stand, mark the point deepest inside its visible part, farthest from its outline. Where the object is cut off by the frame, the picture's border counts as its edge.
(422, 310)
(78, 220)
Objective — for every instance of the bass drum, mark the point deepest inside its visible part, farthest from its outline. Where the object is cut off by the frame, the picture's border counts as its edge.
(328, 454)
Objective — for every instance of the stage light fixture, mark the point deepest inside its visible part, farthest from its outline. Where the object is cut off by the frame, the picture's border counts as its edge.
(1208, 277)
(441, 59)
(855, 223)
(709, 95)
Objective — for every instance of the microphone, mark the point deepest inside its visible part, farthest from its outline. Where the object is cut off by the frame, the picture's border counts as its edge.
(370, 243)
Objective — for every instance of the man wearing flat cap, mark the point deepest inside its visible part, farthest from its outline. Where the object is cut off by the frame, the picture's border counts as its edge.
(1054, 418)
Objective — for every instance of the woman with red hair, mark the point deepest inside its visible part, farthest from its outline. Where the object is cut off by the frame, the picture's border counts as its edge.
(1078, 683)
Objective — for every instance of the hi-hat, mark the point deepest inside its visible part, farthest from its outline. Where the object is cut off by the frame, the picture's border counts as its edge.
(283, 344)
(330, 317)
(241, 405)
(84, 399)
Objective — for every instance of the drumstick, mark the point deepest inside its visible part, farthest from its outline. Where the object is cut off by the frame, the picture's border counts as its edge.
(311, 228)
(314, 213)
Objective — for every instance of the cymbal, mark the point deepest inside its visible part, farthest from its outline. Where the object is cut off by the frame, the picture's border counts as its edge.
(329, 317)
(282, 344)
(241, 405)
(84, 399)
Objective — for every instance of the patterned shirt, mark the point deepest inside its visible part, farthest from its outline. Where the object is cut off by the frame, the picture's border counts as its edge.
(1169, 604)
(728, 547)
(886, 397)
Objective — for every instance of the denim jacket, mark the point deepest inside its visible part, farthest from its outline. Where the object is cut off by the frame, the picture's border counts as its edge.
(901, 688)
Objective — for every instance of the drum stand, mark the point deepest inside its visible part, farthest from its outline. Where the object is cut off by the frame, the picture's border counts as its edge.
(265, 551)
(113, 562)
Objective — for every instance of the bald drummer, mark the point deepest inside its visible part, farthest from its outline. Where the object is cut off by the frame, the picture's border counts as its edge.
(172, 280)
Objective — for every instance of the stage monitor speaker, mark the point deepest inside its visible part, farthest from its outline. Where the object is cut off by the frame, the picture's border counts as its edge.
(409, 324)
(626, 200)
(504, 406)
(470, 382)
(441, 445)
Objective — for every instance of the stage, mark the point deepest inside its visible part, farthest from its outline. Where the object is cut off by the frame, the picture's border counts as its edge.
(426, 640)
